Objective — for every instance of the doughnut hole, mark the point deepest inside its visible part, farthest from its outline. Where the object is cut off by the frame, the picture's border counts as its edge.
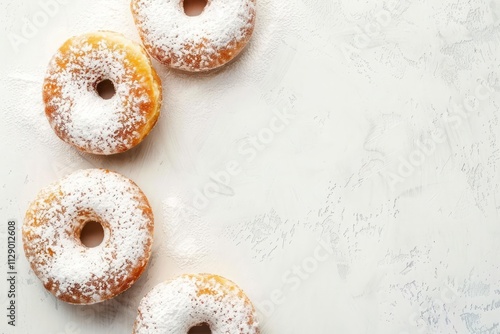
(203, 328)
(92, 234)
(194, 7)
(105, 89)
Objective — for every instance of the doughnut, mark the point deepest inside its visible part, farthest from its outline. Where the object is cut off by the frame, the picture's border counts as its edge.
(76, 111)
(194, 43)
(51, 231)
(187, 301)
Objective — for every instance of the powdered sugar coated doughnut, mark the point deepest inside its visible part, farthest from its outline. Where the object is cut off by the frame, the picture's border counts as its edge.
(194, 43)
(174, 307)
(51, 236)
(74, 108)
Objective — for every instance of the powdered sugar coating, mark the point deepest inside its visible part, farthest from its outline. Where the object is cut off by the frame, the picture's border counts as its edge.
(194, 43)
(174, 307)
(51, 230)
(79, 115)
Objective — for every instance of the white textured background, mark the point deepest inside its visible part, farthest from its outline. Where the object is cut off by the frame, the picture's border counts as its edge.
(372, 210)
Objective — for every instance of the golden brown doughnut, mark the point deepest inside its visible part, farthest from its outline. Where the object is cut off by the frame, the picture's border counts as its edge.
(194, 43)
(67, 268)
(81, 117)
(189, 300)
